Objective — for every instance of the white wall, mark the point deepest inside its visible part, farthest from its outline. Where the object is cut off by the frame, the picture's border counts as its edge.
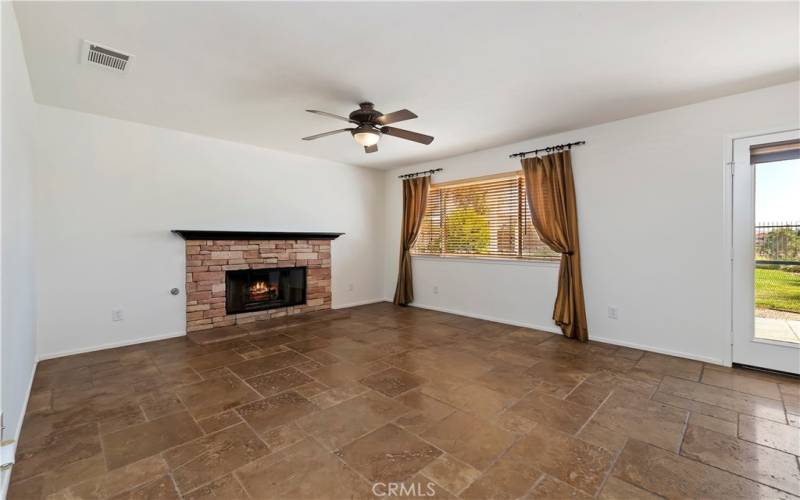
(651, 214)
(17, 326)
(108, 192)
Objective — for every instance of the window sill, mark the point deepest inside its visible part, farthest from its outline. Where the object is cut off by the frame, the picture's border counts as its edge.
(491, 260)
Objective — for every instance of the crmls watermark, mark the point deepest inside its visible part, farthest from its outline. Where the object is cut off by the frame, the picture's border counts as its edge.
(403, 489)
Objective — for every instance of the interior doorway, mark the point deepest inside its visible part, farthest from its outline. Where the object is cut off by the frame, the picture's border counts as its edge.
(766, 251)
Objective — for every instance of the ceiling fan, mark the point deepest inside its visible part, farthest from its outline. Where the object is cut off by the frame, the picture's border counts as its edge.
(370, 124)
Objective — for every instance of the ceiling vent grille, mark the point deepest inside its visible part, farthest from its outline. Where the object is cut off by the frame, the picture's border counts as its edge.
(108, 58)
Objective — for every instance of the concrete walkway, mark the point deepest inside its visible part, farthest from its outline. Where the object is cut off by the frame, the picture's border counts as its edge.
(782, 330)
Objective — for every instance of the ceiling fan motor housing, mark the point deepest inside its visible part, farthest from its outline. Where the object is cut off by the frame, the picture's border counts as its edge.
(366, 114)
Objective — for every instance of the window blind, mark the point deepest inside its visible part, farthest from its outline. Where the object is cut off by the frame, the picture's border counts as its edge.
(485, 217)
(777, 151)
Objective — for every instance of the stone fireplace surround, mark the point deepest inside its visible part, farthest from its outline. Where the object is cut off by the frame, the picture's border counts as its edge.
(210, 253)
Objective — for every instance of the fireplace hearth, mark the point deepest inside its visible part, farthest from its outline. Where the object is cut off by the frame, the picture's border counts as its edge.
(250, 290)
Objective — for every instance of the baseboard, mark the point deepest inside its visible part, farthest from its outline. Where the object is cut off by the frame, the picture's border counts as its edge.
(668, 352)
(358, 303)
(555, 329)
(111, 345)
(5, 475)
(544, 328)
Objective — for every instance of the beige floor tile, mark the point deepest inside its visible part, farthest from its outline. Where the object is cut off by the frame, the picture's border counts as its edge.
(339, 425)
(696, 406)
(469, 439)
(115, 482)
(759, 463)
(670, 365)
(210, 457)
(161, 489)
(143, 440)
(768, 433)
(304, 470)
(219, 421)
(473, 398)
(210, 397)
(603, 437)
(253, 367)
(741, 383)
(276, 411)
(272, 383)
(617, 489)
(338, 394)
(552, 412)
(551, 489)
(571, 460)
(425, 412)
(756, 462)
(392, 381)
(715, 424)
(508, 478)
(718, 396)
(451, 473)
(224, 488)
(643, 419)
(673, 476)
(388, 454)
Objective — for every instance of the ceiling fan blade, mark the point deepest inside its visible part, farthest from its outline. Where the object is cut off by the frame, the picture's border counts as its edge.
(330, 115)
(396, 116)
(325, 134)
(407, 134)
(371, 149)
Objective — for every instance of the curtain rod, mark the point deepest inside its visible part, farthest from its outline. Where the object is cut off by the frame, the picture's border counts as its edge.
(548, 149)
(415, 174)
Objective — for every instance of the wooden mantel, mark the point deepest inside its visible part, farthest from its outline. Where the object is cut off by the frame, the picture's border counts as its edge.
(192, 234)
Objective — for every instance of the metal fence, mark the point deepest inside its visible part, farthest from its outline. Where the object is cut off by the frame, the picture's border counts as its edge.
(777, 242)
(777, 274)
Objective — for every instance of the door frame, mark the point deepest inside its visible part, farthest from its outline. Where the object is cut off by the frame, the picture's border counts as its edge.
(726, 288)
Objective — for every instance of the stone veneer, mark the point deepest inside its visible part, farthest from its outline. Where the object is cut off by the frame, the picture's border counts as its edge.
(207, 261)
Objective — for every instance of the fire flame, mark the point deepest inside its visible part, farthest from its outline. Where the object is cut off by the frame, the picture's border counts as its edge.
(261, 290)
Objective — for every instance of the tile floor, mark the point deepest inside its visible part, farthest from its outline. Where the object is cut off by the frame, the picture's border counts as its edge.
(419, 401)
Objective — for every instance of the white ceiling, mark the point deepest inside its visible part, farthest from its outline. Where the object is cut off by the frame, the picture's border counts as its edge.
(477, 74)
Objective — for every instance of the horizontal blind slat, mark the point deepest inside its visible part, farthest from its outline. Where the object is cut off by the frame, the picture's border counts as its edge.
(480, 218)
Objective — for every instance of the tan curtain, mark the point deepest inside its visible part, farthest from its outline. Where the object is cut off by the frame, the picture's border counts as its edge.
(551, 198)
(415, 198)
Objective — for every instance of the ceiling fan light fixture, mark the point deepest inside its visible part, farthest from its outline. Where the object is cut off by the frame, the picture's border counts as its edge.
(366, 136)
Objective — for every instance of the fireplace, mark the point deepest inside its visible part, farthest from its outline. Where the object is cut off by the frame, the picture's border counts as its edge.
(240, 277)
(249, 290)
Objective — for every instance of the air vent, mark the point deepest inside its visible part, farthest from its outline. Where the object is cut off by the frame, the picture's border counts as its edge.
(108, 58)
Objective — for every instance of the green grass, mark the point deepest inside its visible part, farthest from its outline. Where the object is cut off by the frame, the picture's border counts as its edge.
(777, 289)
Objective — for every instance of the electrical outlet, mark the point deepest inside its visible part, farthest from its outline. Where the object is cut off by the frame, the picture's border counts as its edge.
(350, 287)
(436, 290)
(116, 315)
(612, 312)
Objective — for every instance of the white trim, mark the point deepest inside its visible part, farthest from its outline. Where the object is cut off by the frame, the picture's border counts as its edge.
(781, 343)
(111, 345)
(358, 303)
(549, 328)
(6, 474)
(490, 260)
(668, 352)
(727, 226)
(745, 349)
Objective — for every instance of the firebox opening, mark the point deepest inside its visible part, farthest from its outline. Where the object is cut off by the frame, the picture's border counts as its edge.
(250, 290)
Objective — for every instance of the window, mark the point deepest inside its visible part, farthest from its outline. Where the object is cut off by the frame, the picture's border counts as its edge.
(482, 217)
